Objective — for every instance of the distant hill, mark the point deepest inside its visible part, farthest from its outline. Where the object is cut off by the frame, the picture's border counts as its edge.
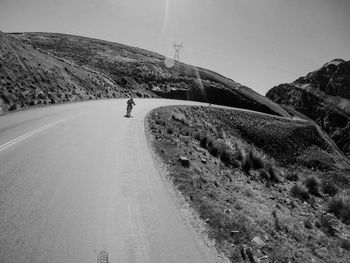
(324, 96)
(42, 68)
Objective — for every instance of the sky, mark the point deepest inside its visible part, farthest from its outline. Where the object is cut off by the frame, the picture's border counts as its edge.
(258, 43)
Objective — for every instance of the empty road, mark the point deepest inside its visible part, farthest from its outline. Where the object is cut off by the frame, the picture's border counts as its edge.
(77, 179)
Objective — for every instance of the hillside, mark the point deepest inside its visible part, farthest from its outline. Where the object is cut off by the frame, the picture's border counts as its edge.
(324, 96)
(122, 71)
(30, 77)
(264, 187)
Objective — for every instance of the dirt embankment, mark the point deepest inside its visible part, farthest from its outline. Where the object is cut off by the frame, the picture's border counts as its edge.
(268, 189)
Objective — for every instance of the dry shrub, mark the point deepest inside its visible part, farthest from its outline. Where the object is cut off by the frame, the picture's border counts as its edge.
(329, 188)
(300, 192)
(224, 223)
(203, 141)
(160, 122)
(256, 161)
(345, 243)
(170, 130)
(312, 183)
(246, 164)
(213, 147)
(179, 117)
(293, 176)
(270, 175)
(274, 175)
(339, 205)
(226, 155)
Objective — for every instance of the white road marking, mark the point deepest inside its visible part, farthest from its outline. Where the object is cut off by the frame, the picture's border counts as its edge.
(29, 134)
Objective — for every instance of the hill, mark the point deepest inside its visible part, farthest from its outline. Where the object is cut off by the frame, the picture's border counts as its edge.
(30, 77)
(324, 96)
(101, 69)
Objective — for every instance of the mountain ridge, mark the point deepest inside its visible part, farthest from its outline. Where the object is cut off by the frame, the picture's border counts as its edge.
(324, 96)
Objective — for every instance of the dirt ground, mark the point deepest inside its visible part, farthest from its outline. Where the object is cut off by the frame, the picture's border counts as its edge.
(258, 182)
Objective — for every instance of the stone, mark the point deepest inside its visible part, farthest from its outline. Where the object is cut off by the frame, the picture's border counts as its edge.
(258, 242)
(184, 161)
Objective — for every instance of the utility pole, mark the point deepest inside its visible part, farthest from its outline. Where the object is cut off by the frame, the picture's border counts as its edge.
(177, 48)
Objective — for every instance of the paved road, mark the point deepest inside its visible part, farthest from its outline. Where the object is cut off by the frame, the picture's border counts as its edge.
(76, 179)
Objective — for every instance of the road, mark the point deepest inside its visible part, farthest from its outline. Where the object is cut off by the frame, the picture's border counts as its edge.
(79, 178)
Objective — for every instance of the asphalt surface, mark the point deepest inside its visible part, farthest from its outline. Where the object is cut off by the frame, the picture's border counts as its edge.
(78, 179)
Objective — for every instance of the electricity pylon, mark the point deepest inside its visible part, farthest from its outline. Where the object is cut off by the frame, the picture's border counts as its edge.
(177, 51)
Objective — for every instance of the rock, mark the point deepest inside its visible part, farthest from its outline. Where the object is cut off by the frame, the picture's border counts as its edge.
(249, 254)
(203, 160)
(227, 211)
(308, 224)
(265, 257)
(184, 161)
(322, 252)
(258, 242)
(233, 232)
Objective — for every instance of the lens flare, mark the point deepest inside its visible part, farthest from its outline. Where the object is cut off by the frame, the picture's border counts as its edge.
(166, 14)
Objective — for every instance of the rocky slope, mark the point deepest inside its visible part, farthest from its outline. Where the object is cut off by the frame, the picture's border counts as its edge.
(267, 189)
(113, 70)
(324, 96)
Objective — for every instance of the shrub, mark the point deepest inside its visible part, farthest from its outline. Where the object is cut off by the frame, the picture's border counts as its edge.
(329, 188)
(300, 192)
(312, 183)
(264, 174)
(197, 136)
(256, 161)
(160, 122)
(203, 141)
(345, 243)
(293, 176)
(239, 155)
(5, 99)
(270, 175)
(226, 155)
(246, 164)
(179, 118)
(213, 147)
(339, 205)
(170, 130)
(185, 131)
(328, 224)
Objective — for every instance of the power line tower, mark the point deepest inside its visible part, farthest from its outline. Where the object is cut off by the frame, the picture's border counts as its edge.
(177, 51)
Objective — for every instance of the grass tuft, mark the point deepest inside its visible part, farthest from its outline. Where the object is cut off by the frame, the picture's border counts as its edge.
(339, 205)
(300, 192)
(293, 176)
(329, 188)
(312, 183)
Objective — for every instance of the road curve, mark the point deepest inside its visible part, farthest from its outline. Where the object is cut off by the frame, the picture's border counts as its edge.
(78, 179)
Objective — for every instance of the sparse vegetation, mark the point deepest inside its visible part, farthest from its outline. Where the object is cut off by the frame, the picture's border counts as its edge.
(300, 192)
(312, 183)
(329, 188)
(339, 205)
(292, 176)
(233, 165)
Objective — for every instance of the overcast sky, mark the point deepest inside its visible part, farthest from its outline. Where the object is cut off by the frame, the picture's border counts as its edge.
(259, 43)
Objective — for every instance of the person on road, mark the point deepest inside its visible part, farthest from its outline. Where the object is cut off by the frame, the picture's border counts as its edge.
(130, 103)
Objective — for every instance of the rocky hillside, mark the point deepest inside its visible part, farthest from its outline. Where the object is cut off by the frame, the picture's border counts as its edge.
(324, 96)
(84, 68)
(30, 77)
(266, 189)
